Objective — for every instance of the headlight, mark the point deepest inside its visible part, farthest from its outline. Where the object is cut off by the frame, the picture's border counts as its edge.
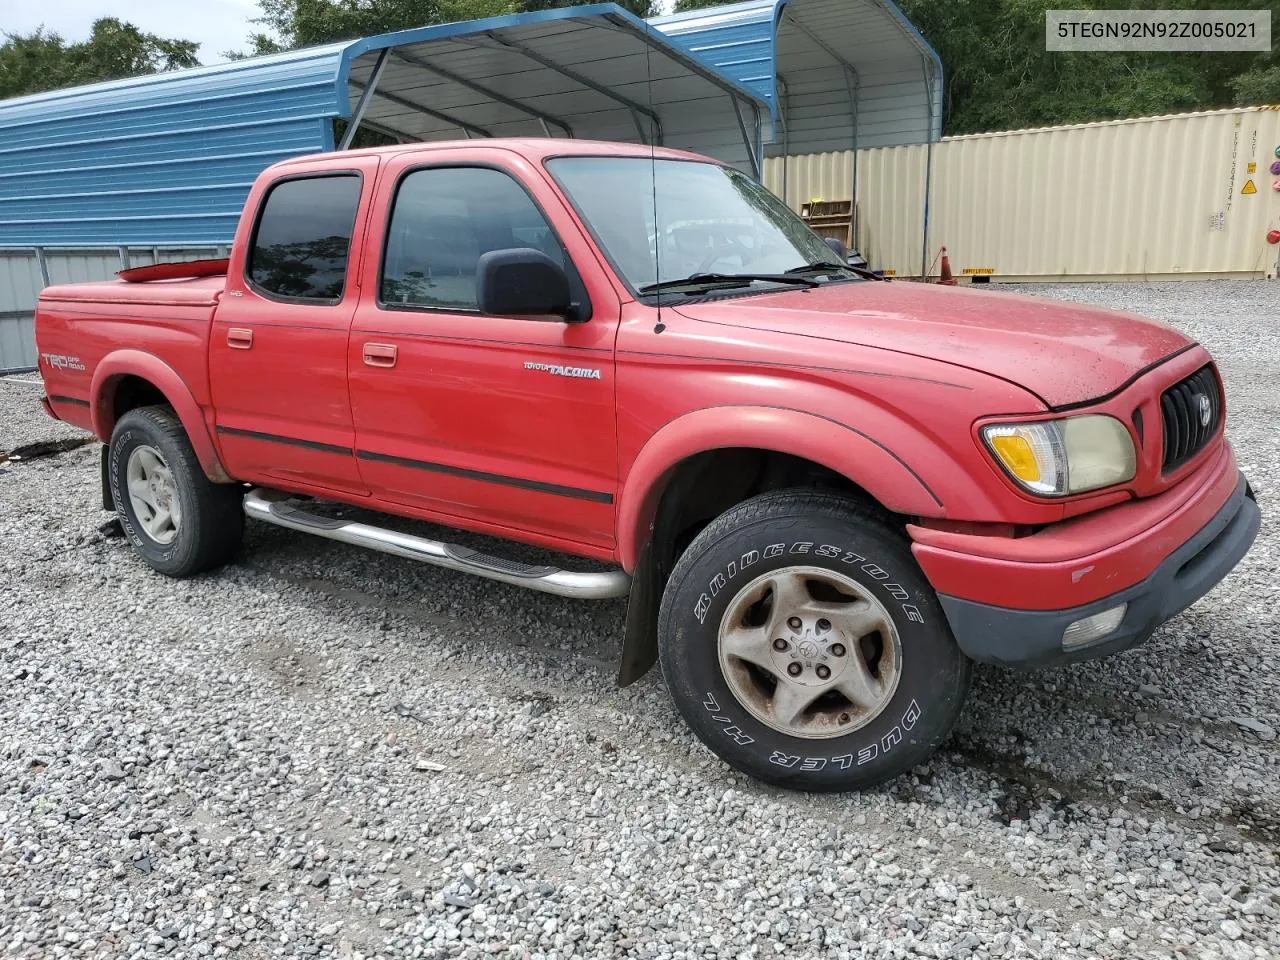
(1058, 457)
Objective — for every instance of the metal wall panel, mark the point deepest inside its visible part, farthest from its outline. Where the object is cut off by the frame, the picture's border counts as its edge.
(165, 158)
(1155, 197)
(17, 345)
(736, 39)
(21, 282)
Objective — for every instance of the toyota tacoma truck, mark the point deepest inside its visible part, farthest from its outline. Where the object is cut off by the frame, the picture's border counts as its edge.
(824, 495)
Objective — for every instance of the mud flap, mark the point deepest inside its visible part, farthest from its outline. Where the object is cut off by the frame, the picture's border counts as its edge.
(640, 641)
(107, 502)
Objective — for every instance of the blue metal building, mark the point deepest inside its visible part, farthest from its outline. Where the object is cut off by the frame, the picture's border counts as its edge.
(170, 158)
(159, 159)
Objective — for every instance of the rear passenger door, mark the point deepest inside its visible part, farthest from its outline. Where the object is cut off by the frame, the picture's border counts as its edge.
(504, 423)
(278, 350)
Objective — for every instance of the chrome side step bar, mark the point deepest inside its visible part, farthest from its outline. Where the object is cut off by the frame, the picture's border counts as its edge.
(563, 583)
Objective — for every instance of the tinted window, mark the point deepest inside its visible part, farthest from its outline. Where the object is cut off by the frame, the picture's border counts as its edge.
(443, 220)
(304, 233)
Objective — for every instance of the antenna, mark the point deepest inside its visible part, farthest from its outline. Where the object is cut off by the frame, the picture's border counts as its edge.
(653, 181)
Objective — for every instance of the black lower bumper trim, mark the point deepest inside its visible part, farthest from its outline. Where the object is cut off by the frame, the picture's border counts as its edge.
(1033, 638)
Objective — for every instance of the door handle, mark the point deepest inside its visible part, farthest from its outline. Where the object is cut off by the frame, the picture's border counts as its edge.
(380, 354)
(239, 338)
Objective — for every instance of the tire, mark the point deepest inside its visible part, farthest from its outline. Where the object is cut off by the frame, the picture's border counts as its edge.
(206, 521)
(853, 602)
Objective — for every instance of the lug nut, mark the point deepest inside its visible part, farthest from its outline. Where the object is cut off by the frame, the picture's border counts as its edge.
(837, 649)
(794, 669)
(823, 671)
(779, 644)
(795, 623)
(824, 625)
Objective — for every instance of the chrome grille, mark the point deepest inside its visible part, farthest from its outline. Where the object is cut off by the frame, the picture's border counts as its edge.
(1192, 412)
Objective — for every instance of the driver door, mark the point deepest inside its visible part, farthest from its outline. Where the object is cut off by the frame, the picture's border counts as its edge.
(504, 424)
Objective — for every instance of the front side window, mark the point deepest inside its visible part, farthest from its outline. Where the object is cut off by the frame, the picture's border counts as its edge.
(303, 237)
(662, 220)
(443, 219)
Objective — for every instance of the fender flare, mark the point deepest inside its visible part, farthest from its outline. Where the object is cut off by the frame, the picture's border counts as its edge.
(164, 378)
(837, 446)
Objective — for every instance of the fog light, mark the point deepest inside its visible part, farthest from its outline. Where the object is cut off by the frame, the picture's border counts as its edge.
(1093, 628)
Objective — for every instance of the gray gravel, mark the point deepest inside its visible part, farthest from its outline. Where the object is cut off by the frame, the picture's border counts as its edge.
(325, 752)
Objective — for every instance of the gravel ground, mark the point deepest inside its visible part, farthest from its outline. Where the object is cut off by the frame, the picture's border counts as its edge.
(326, 752)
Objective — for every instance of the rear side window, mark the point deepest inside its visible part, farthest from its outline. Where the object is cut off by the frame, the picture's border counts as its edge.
(303, 236)
(443, 220)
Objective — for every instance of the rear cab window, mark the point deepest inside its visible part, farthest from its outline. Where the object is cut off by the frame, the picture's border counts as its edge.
(302, 239)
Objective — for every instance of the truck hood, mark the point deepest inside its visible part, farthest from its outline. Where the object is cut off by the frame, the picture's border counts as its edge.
(1064, 353)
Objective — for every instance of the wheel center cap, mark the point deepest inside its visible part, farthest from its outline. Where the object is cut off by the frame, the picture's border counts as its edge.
(808, 649)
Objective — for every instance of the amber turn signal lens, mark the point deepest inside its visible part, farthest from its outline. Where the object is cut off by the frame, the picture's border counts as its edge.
(1016, 454)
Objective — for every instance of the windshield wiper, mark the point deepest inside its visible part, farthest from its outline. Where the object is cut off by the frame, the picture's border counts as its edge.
(825, 265)
(728, 279)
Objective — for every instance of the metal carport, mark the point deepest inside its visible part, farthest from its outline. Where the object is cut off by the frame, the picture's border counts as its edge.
(840, 74)
(593, 72)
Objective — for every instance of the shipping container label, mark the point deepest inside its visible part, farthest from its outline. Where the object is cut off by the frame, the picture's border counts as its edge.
(978, 271)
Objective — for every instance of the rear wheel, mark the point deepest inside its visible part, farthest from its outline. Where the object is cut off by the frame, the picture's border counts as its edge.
(175, 517)
(804, 646)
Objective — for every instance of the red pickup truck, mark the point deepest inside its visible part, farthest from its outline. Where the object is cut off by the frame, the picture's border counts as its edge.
(824, 495)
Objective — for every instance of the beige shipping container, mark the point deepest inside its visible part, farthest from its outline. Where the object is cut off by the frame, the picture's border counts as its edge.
(1183, 196)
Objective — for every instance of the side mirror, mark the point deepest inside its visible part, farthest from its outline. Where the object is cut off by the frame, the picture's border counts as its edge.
(522, 282)
(838, 246)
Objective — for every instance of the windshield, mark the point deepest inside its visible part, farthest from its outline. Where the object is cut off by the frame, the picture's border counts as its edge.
(709, 219)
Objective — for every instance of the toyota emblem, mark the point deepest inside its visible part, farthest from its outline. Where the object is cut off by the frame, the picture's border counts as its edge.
(1206, 409)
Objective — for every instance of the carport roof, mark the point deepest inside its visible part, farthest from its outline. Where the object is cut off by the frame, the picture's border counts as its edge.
(592, 72)
(839, 73)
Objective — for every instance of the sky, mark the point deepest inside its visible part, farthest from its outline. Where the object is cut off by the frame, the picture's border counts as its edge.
(217, 25)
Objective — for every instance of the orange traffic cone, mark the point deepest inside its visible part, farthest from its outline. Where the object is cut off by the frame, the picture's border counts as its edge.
(945, 278)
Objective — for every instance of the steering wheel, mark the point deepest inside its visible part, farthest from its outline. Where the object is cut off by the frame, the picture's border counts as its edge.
(721, 252)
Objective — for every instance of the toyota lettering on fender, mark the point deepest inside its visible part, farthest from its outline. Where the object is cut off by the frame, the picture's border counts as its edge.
(824, 496)
(559, 370)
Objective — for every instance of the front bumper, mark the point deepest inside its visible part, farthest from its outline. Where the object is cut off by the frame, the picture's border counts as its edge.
(1033, 638)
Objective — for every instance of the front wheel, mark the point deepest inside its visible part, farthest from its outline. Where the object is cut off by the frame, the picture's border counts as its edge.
(803, 645)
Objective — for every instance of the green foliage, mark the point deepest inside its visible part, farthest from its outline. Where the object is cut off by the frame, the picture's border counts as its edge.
(683, 5)
(30, 63)
(1259, 85)
(998, 75)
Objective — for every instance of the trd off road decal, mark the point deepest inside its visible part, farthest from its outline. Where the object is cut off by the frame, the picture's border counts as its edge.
(887, 741)
(62, 362)
(805, 548)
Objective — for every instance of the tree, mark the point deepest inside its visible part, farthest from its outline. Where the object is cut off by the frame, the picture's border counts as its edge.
(303, 23)
(997, 74)
(37, 61)
(685, 5)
